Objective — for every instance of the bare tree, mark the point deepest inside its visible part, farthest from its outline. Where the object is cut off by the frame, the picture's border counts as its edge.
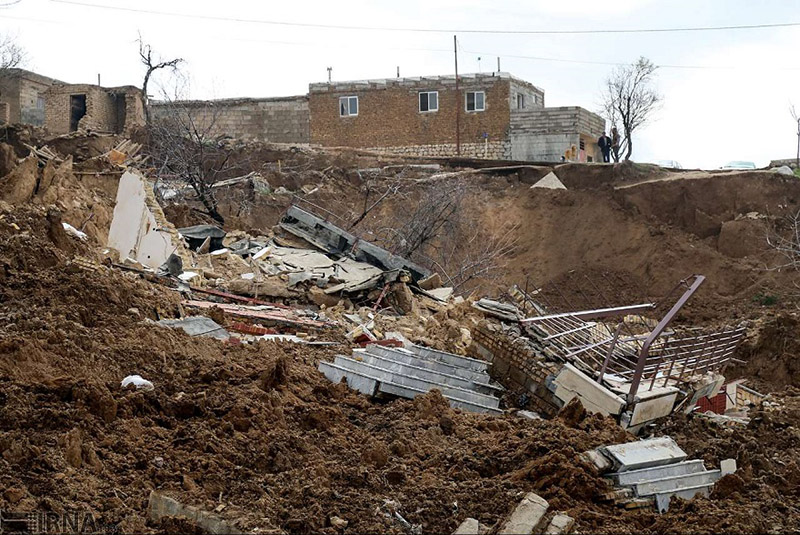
(184, 145)
(482, 256)
(151, 65)
(381, 188)
(437, 207)
(784, 237)
(630, 99)
(12, 55)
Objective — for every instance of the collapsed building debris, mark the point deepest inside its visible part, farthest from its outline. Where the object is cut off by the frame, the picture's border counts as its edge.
(636, 377)
(139, 229)
(252, 437)
(651, 472)
(333, 240)
(408, 372)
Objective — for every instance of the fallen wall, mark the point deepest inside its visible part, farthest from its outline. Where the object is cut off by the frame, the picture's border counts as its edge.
(139, 229)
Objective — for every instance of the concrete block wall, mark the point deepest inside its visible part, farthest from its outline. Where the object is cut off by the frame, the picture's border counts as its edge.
(279, 120)
(544, 134)
(534, 97)
(516, 366)
(389, 115)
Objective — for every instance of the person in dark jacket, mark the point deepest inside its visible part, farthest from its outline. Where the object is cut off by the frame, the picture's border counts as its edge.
(605, 147)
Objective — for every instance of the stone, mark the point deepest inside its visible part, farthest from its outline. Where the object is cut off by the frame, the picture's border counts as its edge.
(469, 526)
(14, 494)
(559, 524)
(727, 466)
(161, 506)
(431, 283)
(526, 517)
(784, 170)
(339, 523)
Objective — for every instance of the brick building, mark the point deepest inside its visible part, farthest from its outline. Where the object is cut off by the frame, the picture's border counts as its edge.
(22, 96)
(279, 120)
(494, 116)
(85, 107)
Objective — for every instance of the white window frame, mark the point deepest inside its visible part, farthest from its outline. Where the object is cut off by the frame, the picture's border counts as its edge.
(419, 101)
(347, 101)
(475, 101)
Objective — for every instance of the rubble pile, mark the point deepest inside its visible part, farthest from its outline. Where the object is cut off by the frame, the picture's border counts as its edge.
(172, 383)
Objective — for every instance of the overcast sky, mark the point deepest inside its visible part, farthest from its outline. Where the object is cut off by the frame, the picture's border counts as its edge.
(735, 106)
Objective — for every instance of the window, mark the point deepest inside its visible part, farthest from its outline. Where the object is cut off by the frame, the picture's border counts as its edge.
(520, 101)
(429, 101)
(39, 103)
(475, 101)
(348, 106)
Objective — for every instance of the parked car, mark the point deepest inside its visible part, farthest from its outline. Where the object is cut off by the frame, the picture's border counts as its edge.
(739, 165)
(670, 164)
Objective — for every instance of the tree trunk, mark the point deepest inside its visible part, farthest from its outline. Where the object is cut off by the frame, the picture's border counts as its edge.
(629, 146)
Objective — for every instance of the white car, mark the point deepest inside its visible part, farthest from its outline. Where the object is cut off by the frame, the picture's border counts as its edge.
(670, 164)
(739, 165)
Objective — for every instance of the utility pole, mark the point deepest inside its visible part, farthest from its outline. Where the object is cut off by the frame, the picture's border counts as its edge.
(498, 64)
(330, 69)
(458, 101)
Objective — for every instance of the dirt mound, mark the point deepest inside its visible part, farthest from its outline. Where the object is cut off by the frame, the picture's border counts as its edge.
(257, 434)
(772, 359)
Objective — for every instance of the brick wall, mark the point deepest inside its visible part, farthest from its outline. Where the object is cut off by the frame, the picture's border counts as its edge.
(516, 365)
(115, 110)
(21, 90)
(279, 120)
(389, 116)
(543, 134)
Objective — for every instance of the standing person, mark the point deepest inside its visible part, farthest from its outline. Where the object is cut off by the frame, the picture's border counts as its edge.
(605, 147)
(615, 143)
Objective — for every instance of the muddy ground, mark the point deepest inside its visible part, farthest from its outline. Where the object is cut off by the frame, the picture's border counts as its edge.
(257, 434)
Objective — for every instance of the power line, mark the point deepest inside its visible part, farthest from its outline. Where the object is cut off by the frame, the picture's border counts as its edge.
(429, 30)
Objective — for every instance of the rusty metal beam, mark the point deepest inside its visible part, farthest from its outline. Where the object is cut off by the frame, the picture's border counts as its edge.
(662, 325)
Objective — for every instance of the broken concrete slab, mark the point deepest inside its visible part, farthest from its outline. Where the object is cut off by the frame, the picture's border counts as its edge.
(560, 524)
(527, 516)
(549, 181)
(442, 294)
(653, 404)
(161, 506)
(632, 477)
(198, 326)
(572, 383)
(504, 311)
(469, 526)
(644, 453)
(333, 240)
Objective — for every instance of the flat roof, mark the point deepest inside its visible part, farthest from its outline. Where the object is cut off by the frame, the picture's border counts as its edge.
(414, 80)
